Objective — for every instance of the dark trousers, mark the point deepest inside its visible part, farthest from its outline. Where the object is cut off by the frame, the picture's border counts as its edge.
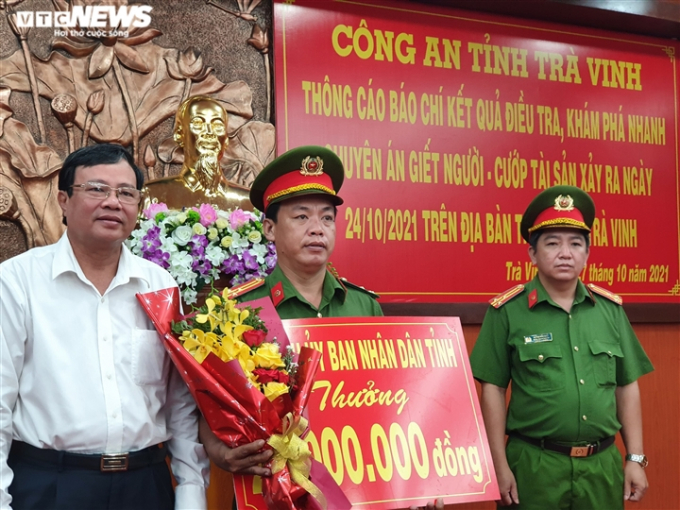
(41, 486)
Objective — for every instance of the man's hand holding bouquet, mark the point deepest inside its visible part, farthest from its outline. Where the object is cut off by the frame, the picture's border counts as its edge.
(243, 374)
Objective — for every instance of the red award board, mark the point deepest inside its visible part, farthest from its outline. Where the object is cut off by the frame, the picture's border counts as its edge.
(449, 122)
(394, 414)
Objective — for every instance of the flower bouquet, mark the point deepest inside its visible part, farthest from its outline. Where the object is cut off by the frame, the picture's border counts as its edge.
(202, 244)
(240, 369)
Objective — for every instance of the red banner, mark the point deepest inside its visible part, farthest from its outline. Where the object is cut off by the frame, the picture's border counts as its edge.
(450, 122)
(394, 413)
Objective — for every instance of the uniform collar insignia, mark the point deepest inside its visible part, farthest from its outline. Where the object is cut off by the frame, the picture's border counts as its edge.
(277, 293)
(533, 298)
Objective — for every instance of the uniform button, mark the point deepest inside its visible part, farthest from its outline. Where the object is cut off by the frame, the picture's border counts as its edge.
(584, 417)
(582, 381)
(540, 357)
(609, 352)
(109, 376)
(576, 348)
(103, 299)
(319, 315)
(104, 339)
(114, 415)
(570, 316)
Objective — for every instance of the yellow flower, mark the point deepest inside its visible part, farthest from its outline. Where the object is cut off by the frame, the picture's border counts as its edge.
(246, 361)
(181, 218)
(216, 318)
(226, 241)
(221, 223)
(212, 233)
(254, 236)
(200, 344)
(198, 229)
(268, 356)
(274, 389)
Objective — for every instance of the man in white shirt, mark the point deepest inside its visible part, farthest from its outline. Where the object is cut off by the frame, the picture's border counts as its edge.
(90, 403)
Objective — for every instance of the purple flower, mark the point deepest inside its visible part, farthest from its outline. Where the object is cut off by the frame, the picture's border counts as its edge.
(250, 261)
(158, 257)
(238, 218)
(200, 241)
(151, 240)
(208, 214)
(270, 261)
(233, 265)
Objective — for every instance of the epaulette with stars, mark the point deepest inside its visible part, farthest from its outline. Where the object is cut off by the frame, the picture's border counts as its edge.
(345, 283)
(506, 296)
(238, 290)
(605, 293)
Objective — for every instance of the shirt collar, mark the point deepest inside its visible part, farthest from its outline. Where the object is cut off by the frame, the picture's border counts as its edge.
(331, 287)
(542, 295)
(65, 261)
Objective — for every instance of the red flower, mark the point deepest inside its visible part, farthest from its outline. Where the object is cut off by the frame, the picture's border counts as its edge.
(265, 375)
(254, 337)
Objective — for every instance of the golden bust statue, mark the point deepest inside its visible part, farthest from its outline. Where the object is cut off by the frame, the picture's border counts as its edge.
(201, 131)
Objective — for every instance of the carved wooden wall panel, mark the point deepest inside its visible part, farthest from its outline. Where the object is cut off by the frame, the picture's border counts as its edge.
(59, 91)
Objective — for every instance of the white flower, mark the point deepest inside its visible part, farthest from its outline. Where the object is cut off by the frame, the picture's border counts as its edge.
(168, 245)
(221, 223)
(180, 218)
(239, 242)
(254, 236)
(180, 259)
(184, 276)
(215, 255)
(259, 251)
(182, 235)
(189, 296)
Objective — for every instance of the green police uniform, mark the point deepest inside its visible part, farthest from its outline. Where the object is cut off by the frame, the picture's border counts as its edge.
(565, 368)
(339, 298)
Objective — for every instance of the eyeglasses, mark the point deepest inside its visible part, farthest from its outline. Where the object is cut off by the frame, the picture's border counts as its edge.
(100, 191)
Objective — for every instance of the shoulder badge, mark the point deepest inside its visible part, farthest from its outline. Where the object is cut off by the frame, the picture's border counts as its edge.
(605, 293)
(506, 296)
(239, 290)
(344, 283)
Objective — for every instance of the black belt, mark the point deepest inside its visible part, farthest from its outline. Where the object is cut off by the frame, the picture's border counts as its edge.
(100, 462)
(572, 451)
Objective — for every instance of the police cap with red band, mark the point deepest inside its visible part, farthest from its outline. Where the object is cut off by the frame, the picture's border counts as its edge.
(558, 207)
(308, 170)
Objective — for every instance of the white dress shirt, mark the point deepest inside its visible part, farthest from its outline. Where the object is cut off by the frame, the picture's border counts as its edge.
(84, 372)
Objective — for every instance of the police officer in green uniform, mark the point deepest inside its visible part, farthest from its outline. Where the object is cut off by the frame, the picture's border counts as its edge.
(298, 194)
(574, 361)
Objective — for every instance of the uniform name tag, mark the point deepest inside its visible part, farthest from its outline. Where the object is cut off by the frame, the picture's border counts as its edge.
(535, 339)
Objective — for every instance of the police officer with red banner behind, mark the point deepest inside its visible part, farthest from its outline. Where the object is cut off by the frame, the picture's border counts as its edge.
(574, 361)
(298, 193)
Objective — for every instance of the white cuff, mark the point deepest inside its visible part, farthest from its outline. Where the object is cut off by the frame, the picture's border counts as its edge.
(189, 496)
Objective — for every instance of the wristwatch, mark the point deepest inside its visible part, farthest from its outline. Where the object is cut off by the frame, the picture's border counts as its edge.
(640, 459)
